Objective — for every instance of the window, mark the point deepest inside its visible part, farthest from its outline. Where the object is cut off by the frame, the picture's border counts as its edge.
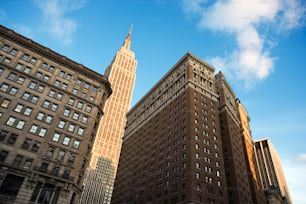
(42, 132)
(1, 70)
(68, 77)
(40, 88)
(3, 135)
(66, 112)
(20, 80)
(26, 143)
(27, 163)
(79, 82)
(38, 74)
(76, 144)
(3, 155)
(26, 57)
(34, 99)
(61, 124)
(28, 111)
(35, 147)
(40, 116)
(71, 101)
(11, 121)
(12, 76)
(87, 85)
(4, 87)
(85, 119)
(71, 158)
(13, 91)
(66, 140)
(5, 48)
(51, 69)
(26, 96)
(95, 89)
(33, 60)
(19, 66)
(14, 51)
(7, 60)
(27, 70)
(61, 74)
(64, 86)
(81, 131)
(5, 103)
(54, 107)
(12, 139)
(51, 93)
(44, 65)
(197, 165)
(75, 116)
(59, 96)
(61, 155)
(88, 109)
(71, 128)
(80, 105)
(50, 151)
(57, 83)
(56, 137)
(75, 91)
(20, 124)
(34, 129)
(46, 78)
(17, 161)
(46, 104)
(49, 119)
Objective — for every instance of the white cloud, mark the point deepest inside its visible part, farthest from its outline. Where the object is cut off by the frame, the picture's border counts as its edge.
(55, 17)
(251, 60)
(294, 170)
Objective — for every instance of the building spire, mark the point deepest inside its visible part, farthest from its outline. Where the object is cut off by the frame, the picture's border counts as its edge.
(127, 41)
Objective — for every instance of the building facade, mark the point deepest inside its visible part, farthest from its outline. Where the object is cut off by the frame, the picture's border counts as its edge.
(50, 109)
(121, 73)
(258, 195)
(271, 172)
(172, 150)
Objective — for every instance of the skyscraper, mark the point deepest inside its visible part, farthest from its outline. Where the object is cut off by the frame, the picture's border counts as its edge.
(272, 176)
(50, 109)
(121, 74)
(172, 151)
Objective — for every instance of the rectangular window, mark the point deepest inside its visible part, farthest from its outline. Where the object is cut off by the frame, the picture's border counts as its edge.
(11, 121)
(19, 108)
(61, 74)
(27, 70)
(34, 129)
(26, 96)
(56, 137)
(20, 124)
(85, 119)
(4, 87)
(5, 48)
(71, 101)
(5, 103)
(54, 107)
(17, 161)
(14, 51)
(49, 119)
(42, 132)
(64, 86)
(80, 105)
(75, 116)
(26, 57)
(50, 151)
(81, 131)
(12, 76)
(19, 66)
(26, 143)
(34, 99)
(28, 111)
(46, 104)
(40, 88)
(61, 155)
(57, 83)
(71, 128)
(12, 139)
(27, 163)
(75, 91)
(13, 91)
(38, 74)
(20, 80)
(66, 140)
(76, 144)
(61, 124)
(68, 77)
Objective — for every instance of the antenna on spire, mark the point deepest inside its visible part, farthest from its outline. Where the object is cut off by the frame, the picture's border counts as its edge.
(131, 28)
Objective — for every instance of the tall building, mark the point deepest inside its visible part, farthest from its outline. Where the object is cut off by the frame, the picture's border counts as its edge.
(50, 109)
(235, 159)
(272, 176)
(172, 150)
(121, 73)
(257, 192)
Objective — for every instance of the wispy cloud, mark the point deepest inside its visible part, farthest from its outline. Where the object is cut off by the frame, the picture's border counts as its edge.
(294, 169)
(251, 61)
(2, 14)
(56, 20)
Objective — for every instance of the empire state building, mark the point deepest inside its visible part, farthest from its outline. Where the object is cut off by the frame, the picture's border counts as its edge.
(100, 175)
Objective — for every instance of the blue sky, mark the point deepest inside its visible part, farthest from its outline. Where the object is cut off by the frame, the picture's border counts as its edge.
(259, 45)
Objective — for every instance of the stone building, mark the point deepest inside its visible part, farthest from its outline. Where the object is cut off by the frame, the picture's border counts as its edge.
(50, 109)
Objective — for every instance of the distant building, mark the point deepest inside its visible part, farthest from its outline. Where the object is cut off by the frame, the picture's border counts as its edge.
(121, 73)
(272, 176)
(172, 150)
(50, 109)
